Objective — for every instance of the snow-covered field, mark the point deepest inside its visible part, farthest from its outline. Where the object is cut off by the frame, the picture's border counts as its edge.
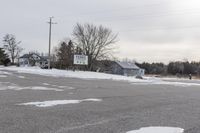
(59, 102)
(92, 75)
(158, 130)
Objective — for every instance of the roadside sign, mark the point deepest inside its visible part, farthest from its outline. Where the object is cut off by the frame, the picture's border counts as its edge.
(80, 59)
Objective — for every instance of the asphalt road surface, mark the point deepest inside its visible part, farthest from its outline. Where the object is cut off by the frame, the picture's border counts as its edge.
(124, 106)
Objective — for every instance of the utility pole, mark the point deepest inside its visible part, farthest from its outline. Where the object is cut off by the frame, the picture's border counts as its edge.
(50, 23)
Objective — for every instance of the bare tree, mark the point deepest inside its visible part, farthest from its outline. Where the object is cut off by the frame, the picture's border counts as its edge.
(12, 46)
(95, 41)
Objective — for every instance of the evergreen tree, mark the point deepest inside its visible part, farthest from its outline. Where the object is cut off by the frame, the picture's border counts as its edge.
(65, 54)
(4, 57)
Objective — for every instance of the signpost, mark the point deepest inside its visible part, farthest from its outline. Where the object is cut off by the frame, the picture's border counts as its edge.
(80, 60)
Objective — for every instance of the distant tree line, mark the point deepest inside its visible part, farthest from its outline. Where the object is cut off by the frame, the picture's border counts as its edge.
(173, 68)
(153, 68)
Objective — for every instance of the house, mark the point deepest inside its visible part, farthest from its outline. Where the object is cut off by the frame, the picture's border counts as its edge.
(33, 59)
(127, 69)
(119, 68)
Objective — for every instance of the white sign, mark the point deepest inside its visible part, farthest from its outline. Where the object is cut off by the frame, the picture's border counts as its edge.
(80, 60)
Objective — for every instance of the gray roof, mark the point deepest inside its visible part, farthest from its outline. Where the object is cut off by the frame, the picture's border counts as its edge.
(45, 57)
(127, 65)
(40, 58)
(25, 56)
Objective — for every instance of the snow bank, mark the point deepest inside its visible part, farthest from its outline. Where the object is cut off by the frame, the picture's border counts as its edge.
(95, 75)
(59, 102)
(72, 74)
(158, 130)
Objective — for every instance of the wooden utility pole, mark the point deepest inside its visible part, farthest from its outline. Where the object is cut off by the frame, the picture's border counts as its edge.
(50, 23)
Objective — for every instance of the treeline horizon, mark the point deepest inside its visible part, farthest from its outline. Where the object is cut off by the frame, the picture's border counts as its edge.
(178, 68)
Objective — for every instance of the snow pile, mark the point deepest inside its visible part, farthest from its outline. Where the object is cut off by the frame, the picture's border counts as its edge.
(59, 102)
(158, 130)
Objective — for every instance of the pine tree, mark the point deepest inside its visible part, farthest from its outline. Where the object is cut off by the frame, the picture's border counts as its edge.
(65, 55)
(3, 57)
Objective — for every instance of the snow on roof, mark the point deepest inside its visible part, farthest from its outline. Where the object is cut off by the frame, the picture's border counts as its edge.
(127, 65)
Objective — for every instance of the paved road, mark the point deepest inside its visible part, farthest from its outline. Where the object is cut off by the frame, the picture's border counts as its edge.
(124, 106)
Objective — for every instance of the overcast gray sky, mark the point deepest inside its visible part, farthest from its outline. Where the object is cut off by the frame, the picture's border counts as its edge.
(149, 30)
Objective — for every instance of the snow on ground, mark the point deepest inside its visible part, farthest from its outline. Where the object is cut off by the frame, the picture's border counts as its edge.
(21, 77)
(18, 88)
(45, 84)
(66, 87)
(158, 130)
(72, 74)
(11, 86)
(42, 88)
(62, 87)
(59, 102)
(95, 75)
(181, 84)
(4, 74)
(182, 79)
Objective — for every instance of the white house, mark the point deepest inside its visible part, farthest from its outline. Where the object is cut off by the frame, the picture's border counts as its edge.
(33, 59)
